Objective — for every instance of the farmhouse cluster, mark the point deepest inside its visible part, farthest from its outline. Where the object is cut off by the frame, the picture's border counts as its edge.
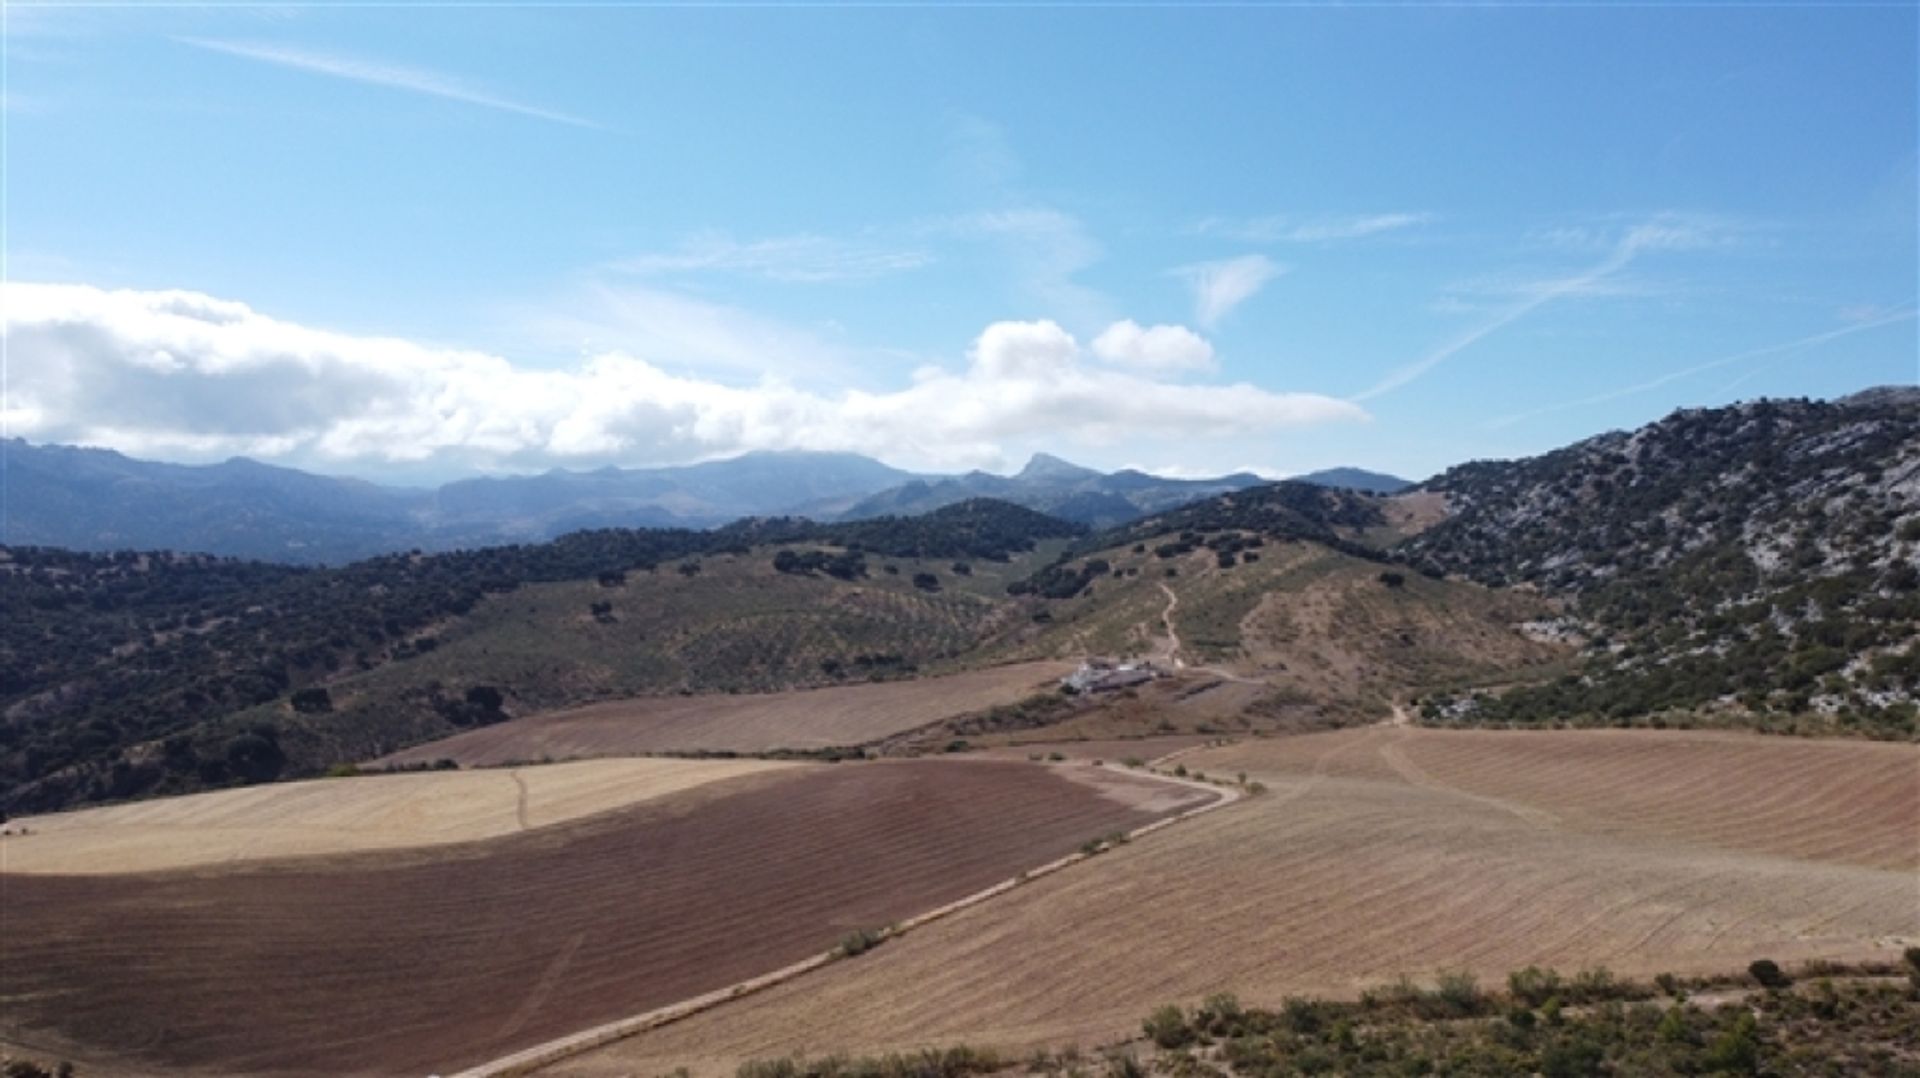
(1105, 675)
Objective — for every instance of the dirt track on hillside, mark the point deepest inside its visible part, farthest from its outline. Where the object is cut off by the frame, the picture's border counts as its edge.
(409, 963)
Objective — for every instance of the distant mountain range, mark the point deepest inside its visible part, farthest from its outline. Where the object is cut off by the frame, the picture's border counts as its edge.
(1056, 488)
(97, 499)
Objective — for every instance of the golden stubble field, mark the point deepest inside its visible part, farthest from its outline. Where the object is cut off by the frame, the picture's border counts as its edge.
(346, 815)
(1383, 851)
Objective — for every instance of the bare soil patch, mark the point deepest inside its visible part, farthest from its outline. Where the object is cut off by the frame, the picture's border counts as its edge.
(427, 960)
(1341, 636)
(346, 815)
(1415, 512)
(1379, 852)
(841, 715)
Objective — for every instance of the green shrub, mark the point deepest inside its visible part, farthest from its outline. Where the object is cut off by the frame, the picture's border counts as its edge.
(1673, 1025)
(1533, 985)
(1167, 1027)
(1301, 1015)
(1768, 974)
(1220, 1015)
(313, 700)
(859, 942)
(1459, 992)
(1738, 1049)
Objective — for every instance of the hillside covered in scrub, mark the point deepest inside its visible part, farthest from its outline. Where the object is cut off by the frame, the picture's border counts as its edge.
(1833, 1020)
(125, 674)
(1761, 561)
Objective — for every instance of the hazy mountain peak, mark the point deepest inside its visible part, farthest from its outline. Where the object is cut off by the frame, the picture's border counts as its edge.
(1355, 479)
(1047, 466)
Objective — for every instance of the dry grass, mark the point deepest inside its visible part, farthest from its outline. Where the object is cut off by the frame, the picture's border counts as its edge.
(1415, 512)
(1830, 801)
(842, 715)
(333, 816)
(1383, 851)
(1336, 632)
(1319, 628)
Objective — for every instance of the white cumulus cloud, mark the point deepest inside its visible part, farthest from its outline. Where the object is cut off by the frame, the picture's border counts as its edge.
(1154, 348)
(186, 376)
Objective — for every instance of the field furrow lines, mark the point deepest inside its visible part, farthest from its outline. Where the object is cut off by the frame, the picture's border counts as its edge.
(1349, 871)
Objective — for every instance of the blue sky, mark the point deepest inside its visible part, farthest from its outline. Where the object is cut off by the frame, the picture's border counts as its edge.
(412, 243)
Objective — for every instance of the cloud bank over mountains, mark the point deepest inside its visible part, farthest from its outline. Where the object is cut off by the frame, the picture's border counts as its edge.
(183, 375)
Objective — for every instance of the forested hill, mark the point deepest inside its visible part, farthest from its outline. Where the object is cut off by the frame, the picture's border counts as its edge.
(1761, 560)
(1290, 511)
(114, 667)
(1287, 510)
(976, 528)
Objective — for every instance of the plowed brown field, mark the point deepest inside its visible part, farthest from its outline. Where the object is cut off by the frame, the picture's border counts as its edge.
(429, 959)
(842, 715)
(1378, 852)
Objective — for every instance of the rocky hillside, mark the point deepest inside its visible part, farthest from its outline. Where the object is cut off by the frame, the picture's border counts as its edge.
(1760, 562)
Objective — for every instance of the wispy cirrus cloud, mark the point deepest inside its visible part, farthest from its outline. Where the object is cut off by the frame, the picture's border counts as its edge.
(1481, 295)
(1661, 233)
(1047, 247)
(678, 331)
(805, 258)
(375, 73)
(1672, 230)
(1219, 287)
(1282, 228)
(979, 154)
(1876, 322)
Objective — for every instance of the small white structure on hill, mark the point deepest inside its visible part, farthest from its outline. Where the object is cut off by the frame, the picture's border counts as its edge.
(1105, 675)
